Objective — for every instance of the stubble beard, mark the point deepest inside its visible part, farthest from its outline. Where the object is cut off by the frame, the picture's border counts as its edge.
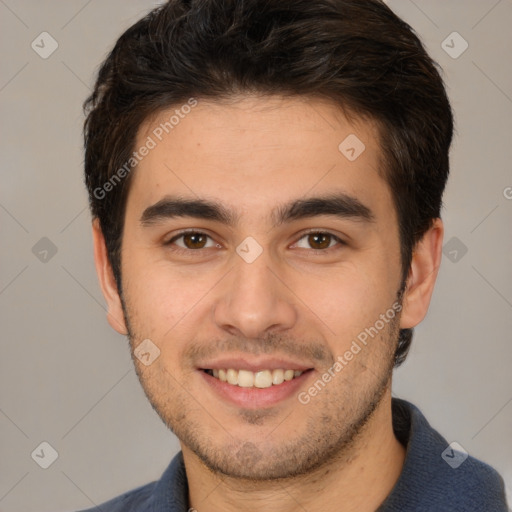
(331, 434)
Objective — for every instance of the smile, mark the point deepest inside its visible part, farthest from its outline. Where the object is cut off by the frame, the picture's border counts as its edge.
(247, 379)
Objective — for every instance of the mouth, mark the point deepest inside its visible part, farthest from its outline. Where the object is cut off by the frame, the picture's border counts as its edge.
(261, 379)
(255, 382)
(250, 386)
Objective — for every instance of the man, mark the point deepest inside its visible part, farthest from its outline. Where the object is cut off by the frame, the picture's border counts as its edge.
(265, 180)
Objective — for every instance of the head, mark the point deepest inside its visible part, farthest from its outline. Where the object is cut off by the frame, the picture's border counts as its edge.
(318, 134)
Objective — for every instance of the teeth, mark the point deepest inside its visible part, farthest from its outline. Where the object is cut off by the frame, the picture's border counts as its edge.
(245, 379)
(262, 379)
(289, 374)
(277, 377)
(232, 376)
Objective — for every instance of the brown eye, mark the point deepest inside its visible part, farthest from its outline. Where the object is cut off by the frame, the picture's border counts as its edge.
(192, 240)
(318, 241)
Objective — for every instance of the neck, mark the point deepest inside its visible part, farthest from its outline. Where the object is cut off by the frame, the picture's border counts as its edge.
(359, 479)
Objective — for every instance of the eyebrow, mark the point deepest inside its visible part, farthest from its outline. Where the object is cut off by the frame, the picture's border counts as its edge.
(339, 205)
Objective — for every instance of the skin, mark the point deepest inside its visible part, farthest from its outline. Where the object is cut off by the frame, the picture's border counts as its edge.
(338, 451)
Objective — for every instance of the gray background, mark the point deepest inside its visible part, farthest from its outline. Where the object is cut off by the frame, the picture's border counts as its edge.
(66, 378)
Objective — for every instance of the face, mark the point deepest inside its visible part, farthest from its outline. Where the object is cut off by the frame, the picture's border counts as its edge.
(254, 250)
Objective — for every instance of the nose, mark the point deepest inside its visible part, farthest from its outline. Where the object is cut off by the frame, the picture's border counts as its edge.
(254, 299)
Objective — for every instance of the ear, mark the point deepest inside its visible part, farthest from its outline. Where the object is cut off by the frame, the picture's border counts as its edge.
(115, 314)
(425, 263)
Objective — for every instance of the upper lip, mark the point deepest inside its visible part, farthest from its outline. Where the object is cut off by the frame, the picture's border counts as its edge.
(253, 364)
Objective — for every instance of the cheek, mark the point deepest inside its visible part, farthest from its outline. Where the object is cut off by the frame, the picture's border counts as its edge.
(347, 300)
(160, 299)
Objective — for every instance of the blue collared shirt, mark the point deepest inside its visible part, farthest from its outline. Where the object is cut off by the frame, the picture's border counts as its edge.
(429, 481)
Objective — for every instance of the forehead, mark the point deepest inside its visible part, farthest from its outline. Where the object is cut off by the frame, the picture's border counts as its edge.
(255, 152)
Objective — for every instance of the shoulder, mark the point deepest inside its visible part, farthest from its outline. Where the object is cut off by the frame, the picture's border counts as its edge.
(472, 486)
(437, 475)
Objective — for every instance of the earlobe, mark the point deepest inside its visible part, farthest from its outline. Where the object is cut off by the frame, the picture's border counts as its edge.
(115, 314)
(422, 276)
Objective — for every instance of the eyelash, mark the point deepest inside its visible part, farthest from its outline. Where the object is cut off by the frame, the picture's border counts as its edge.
(189, 252)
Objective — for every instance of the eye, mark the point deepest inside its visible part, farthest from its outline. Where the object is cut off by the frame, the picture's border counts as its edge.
(192, 240)
(195, 240)
(318, 240)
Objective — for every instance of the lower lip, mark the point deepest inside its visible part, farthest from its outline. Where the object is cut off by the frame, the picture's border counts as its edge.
(256, 398)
